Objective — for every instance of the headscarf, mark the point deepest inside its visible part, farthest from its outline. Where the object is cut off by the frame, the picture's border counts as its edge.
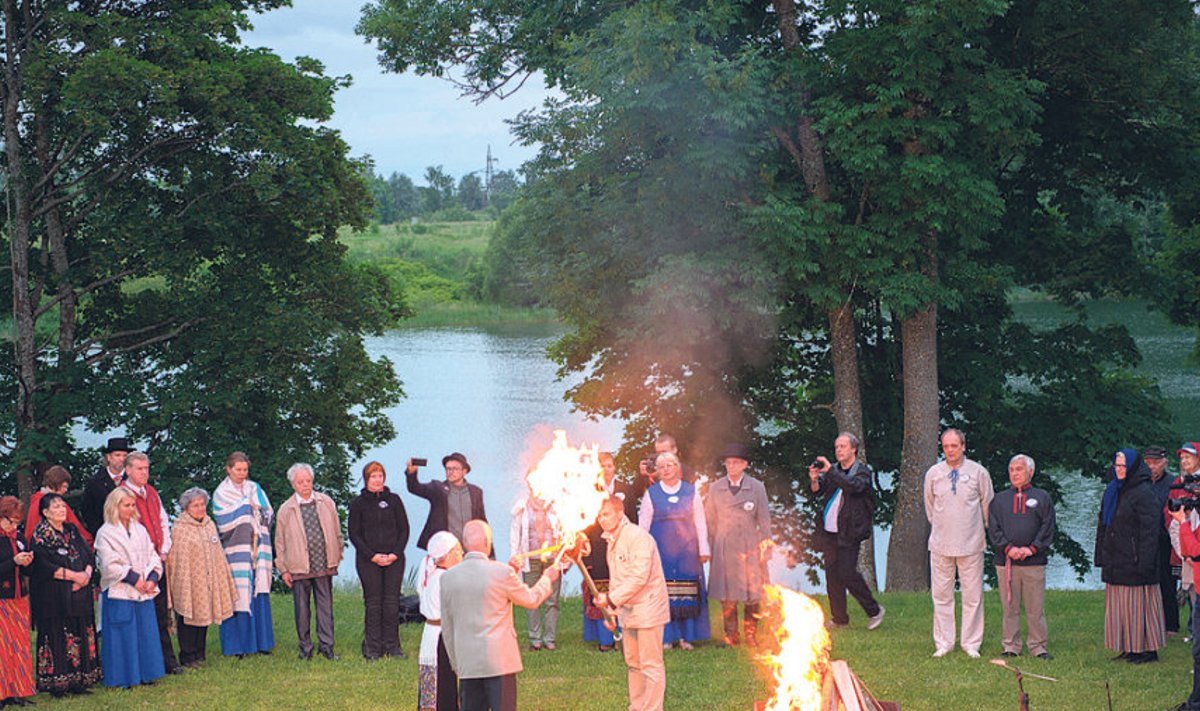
(1108, 507)
(440, 544)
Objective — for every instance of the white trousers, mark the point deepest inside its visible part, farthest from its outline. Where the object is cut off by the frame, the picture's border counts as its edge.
(970, 579)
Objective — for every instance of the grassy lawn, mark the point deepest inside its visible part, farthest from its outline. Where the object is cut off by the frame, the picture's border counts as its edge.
(893, 661)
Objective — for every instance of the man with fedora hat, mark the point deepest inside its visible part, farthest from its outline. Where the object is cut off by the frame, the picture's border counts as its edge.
(1160, 483)
(739, 533)
(844, 525)
(108, 477)
(452, 502)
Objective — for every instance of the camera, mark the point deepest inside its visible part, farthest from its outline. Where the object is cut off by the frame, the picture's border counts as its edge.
(648, 463)
(816, 464)
(1188, 504)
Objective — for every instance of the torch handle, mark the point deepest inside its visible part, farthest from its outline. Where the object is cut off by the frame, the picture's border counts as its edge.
(608, 613)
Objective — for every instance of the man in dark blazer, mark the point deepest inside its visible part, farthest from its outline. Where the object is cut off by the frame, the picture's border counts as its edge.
(108, 477)
(452, 502)
(477, 596)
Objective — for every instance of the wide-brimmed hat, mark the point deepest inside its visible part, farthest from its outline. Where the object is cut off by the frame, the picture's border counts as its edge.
(457, 457)
(1190, 448)
(116, 444)
(739, 451)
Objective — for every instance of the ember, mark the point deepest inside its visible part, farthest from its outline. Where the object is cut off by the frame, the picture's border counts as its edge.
(569, 479)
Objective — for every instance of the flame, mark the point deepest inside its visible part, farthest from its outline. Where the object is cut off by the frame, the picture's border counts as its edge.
(570, 481)
(799, 667)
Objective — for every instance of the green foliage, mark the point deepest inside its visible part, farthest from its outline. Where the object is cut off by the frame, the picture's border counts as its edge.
(179, 192)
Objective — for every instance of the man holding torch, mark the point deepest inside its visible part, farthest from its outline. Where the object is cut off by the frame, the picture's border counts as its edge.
(637, 590)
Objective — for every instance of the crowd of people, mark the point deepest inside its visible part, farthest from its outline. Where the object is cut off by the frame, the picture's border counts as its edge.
(153, 582)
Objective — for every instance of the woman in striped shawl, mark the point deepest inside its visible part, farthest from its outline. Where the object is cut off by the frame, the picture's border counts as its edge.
(243, 516)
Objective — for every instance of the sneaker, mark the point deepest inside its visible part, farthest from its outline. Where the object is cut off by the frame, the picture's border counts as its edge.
(877, 620)
(941, 652)
(972, 653)
(831, 625)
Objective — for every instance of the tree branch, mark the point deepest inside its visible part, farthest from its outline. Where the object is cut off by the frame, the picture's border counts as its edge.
(113, 352)
(84, 290)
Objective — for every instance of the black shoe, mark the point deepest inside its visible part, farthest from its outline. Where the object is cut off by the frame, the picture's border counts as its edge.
(398, 654)
(265, 652)
(177, 669)
(1143, 657)
(306, 655)
(1123, 656)
(1008, 654)
(1045, 655)
(82, 691)
(328, 654)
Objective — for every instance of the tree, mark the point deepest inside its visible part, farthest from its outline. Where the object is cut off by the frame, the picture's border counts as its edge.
(470, 192)
(173, 242)
(891, 167)
(504, 190)
(438, 192)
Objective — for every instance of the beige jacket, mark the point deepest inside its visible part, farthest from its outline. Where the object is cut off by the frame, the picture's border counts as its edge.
(636, 585)
(291, 545)
(477, 620)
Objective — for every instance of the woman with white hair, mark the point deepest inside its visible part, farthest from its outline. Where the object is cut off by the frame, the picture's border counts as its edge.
(437, 686)
(202, 589)
(129, 573)
(308, 549)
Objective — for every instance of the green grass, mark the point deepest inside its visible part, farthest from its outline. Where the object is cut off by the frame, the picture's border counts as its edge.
(894, 662)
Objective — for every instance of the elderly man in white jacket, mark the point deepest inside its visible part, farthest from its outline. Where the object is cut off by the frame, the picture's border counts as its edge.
(129, 573)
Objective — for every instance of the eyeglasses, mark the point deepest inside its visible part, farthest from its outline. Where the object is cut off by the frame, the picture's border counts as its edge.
(454, 469)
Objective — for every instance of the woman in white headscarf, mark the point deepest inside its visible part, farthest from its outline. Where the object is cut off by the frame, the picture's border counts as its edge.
(437, 686)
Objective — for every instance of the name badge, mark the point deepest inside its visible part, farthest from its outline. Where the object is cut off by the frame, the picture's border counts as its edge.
(1031, 503)
(383, 504)
(673, 499)
(20, 545)
(621, 496)
(749, 505)
(63, 551)
(216, 539)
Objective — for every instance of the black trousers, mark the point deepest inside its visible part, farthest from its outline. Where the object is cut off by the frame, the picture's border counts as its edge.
(842, 576)
(493, 693)
(381, 600)
(447, 680)
(163, 617)
(192, 641)
(318, 592)
(1167, 584)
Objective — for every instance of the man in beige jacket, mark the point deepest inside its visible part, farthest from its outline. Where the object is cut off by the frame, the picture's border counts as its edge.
(308, 549)
(637, 590)
(477, 596)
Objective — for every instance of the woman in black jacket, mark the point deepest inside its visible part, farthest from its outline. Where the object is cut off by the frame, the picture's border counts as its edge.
(379, 531)
(1126, 552)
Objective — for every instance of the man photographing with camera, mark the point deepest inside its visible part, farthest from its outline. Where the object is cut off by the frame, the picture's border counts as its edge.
(845, 523)
(1183, 510)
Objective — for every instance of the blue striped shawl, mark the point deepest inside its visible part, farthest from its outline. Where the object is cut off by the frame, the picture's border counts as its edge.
(243, 516)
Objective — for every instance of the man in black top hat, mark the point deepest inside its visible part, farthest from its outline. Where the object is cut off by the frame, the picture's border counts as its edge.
(108, 477)
(452, 502)
(1160, 483)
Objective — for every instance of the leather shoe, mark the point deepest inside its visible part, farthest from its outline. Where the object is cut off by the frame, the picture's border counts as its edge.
(328, 654)
(1008, 654)
(1045, 655)
(306, 655)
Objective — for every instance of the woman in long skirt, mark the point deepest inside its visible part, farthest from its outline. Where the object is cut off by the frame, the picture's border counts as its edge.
(673, 513)
(62, 603)
(437, 686)
(243, 514)
(129, 573)
(1126, 551)
(16, 660)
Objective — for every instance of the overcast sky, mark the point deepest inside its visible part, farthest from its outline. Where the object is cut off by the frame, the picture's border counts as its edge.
(404, 122)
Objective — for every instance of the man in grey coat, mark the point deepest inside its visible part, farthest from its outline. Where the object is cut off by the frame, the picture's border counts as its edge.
(739, 533)
(477, 622)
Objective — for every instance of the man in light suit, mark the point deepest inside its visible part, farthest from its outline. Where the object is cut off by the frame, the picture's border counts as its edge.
(477, 622)
(637, 591)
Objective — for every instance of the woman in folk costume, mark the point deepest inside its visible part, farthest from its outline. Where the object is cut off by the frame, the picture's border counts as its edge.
(56, 480)
(16, 661)
(673, 512)
(437, 685)
(129, 573)
(243, 516)
(61, 597)
(202, 590)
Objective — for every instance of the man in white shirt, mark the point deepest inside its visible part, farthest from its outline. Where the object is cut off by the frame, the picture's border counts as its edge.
(957, 494)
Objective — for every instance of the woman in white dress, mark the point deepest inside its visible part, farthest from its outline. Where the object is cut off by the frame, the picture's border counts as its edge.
(437, 686)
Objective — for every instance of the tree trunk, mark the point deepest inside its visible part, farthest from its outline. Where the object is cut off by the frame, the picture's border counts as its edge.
(908, 557)
(19, 219)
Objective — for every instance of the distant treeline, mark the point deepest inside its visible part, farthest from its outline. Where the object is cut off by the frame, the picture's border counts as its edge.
(441, 198)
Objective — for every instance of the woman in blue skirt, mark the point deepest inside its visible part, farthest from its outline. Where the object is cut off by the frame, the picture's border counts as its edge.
(243, 515)
(130, 569)
(673, 513)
